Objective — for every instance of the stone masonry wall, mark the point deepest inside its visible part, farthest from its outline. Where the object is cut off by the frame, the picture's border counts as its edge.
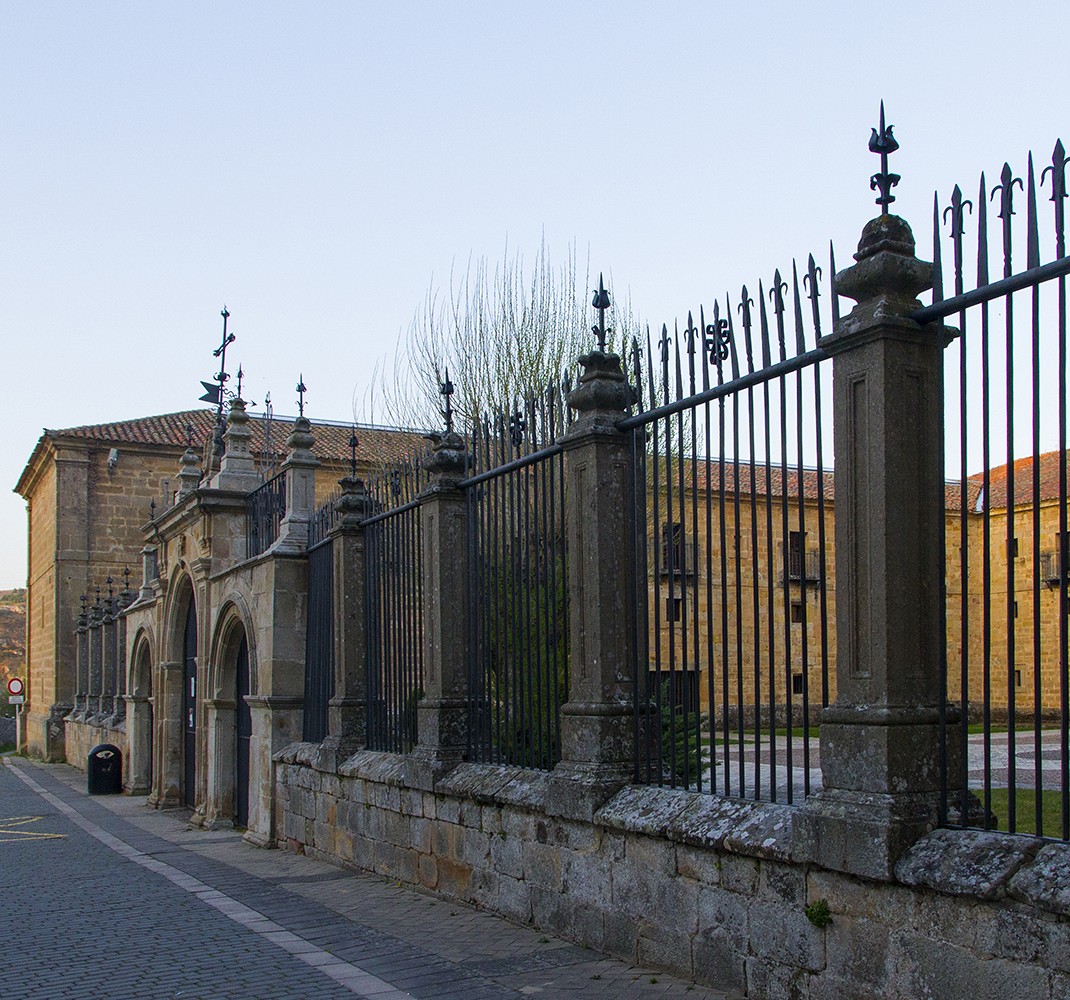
(704, 887)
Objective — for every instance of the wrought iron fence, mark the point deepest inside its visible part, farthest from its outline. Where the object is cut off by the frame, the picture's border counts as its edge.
(733, 547)
(393, 609)
(517, 614)
(323, 520)
(265, 508)
(319, 640)
(1005, 732)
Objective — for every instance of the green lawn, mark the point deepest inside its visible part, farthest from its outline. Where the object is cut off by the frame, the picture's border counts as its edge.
(1025, 802)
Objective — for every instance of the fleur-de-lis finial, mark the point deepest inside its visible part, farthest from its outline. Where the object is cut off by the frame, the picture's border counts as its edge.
(601, 303)
(152, 509)
(447, 390)
(301, 390)
(241, 375)
(353, 442)
(883, 142)
(189, 435)
(126, 579)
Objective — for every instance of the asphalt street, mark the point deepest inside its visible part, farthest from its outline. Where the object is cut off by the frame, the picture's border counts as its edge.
(106, 898)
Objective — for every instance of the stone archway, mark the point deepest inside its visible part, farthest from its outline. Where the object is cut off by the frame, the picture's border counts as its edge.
(139, 718)
(229, 722)
(174, 779)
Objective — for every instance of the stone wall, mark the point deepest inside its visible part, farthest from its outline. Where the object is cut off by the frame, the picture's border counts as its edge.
(707, 888)
(82, 737)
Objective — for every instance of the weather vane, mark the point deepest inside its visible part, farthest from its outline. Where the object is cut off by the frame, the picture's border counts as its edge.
(447, 391)
(601, 303)
(214, 392)
(301, 390)
(884, 143)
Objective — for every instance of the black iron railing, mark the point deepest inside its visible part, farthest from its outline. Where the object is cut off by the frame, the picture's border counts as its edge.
(1007, 719)
(733, 548)
(323, 520)
(265, 508)
(394, 609)
(319, 640)
(517, 626)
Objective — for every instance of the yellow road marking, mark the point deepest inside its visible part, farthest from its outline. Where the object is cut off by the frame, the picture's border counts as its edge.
(9, 835)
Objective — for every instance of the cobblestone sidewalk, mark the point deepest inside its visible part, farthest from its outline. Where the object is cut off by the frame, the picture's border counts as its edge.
(109, 899)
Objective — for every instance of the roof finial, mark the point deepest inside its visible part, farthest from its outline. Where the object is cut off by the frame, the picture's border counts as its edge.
(883, 142)
(353, 442)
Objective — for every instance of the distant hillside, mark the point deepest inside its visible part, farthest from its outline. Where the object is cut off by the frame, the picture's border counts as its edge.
(16, 596)
(12, 640)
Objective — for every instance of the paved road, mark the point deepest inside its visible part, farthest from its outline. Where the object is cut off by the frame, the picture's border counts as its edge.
(104, 898)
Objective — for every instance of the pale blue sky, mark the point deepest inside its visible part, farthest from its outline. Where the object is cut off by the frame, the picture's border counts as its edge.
(313, 165)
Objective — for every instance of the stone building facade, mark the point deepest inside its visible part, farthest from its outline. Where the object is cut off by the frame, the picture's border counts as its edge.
(91, 492)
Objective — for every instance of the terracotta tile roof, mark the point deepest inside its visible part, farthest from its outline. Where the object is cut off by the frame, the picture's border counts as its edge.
(998, 480)
(778, 479)
(377, 444)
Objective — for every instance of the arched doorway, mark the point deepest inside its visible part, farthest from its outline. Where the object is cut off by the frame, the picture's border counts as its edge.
(189, 706)
(139, 719)
(243, 731)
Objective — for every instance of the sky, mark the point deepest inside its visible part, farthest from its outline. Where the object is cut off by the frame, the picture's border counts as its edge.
(316, 166)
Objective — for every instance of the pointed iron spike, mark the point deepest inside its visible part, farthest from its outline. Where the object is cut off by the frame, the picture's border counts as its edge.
(679, 376)
(650, 370)
(834, 296)
(982, 234)
(763, 325)
(706, 339)
(938, 272)
(800, 337)
(1032, 251)
(732, 352)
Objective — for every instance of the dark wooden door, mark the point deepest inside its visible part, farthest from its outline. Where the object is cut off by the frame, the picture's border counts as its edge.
(244, 730)
(189, 707)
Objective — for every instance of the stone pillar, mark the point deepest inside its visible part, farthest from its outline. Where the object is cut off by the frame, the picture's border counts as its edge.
(880, 739)
(300, 470)
(237, 469)
(347, 721)
(149, 573)
(189, 474)
(81, 666)
(96, 662)
(123, 601)
(442, 734)
(597, 721)
(167, 736)
(109, 672)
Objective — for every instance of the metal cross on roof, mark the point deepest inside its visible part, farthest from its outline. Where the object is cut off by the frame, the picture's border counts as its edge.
(301, 390)
(601, 303)
(884, 143)
(447, 390)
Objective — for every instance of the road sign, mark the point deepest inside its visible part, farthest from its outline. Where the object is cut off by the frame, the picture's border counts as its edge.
(16, 699)
(15, 686)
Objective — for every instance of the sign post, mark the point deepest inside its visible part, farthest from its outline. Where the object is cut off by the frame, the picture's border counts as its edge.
(16, 696)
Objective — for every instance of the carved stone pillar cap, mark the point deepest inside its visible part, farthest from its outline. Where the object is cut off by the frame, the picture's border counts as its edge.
(189, 475)
(602, 386)
(355, 499)
(300, 442)
(887, 267)
(448, 455)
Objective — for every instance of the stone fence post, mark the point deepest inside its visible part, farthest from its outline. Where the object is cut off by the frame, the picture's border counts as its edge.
(81, 665)
(300, 469)
(597, 722)
(880, 739)
(442, 733)
(347, 719)
(109, 644)
(95, 677)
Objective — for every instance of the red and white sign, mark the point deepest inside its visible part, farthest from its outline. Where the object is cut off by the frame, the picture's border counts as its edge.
(15, 686)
